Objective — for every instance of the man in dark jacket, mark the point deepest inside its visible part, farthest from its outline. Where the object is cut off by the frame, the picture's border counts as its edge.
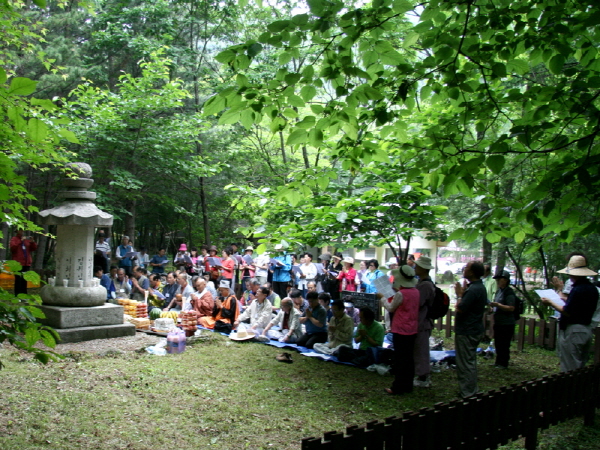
(504, 319)
(471, 302)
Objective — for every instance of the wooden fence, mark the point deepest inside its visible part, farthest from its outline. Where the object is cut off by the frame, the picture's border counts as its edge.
(527, 331)
(484, 421)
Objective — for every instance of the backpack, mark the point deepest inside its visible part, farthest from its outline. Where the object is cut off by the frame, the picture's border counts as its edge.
(519, 307)
(440, 306)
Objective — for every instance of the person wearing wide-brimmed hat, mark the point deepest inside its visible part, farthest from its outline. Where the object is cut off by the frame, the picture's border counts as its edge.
(504, 302)
(405, 323)
(575, 334)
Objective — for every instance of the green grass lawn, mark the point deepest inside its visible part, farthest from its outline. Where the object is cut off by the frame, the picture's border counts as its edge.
(220, 394)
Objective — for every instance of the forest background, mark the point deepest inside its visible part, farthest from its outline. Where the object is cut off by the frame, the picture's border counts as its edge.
(312, 123)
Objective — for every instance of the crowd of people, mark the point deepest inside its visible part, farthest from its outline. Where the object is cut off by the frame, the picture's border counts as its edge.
(297, 299)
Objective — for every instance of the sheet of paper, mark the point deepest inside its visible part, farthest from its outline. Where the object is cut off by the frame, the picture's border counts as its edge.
(248, 260)
(552, 295)
(214, 261)
(320, 270)
(130, 255)
(275, 262)
(187, 259)
(383, 286)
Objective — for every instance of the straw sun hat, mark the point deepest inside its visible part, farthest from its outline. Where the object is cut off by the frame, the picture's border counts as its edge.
(577, 267)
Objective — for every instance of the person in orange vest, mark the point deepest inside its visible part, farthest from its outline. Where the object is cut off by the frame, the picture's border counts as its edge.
(21, 249)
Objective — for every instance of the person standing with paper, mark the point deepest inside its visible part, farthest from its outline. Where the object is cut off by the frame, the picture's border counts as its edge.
(404, 306)
(575, 334)
(504, 318)
(124, 255)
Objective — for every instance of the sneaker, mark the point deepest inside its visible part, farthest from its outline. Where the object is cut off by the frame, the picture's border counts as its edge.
(426, 383)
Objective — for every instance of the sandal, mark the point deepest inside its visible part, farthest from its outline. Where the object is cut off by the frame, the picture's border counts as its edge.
(284, 357)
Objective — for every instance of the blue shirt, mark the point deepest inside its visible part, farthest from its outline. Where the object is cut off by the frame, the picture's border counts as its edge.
(281, 274)
(156, 259)
(122, 250)
(108, 284)
(320, 315)
(372, 276)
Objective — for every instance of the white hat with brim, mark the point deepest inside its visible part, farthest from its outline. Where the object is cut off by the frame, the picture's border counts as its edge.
(578, 267)
(225, 284)
(391, 262)
(405, 277)
(348, 259)
(241, 335)
(424, 262)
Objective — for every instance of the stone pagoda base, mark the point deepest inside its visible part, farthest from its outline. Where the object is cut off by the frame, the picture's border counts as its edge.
(77, 324)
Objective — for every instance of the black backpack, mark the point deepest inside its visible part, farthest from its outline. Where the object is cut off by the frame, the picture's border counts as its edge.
(519, 307)
(440, 306)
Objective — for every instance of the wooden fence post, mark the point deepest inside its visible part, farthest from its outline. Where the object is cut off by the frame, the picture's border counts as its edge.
(596, 345)
(521, 334)
(531, 331)
(448, 324)
(552, 333)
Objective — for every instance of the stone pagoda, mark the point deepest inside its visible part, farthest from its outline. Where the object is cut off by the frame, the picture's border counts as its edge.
(74, 303)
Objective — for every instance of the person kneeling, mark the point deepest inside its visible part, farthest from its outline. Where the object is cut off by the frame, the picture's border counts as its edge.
(340, 330)
(288, 319)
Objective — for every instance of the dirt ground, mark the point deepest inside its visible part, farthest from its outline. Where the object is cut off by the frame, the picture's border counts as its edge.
(114, 345)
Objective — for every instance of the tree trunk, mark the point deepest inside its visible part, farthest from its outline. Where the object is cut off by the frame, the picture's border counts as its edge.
(486, 247)
(405, 253)
(4, 241)
(305, 156)
(130, 223)
(40, 254)
(284, 159)
(501, 258)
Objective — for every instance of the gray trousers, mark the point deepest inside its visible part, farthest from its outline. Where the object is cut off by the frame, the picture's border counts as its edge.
(574, 345)
(466, 363)
(421, 352)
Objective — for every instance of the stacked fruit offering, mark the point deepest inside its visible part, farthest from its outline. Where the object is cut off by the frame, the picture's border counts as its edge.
(141, 310)
(189, 320)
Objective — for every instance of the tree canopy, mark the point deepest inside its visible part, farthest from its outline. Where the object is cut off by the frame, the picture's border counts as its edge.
(317, 123)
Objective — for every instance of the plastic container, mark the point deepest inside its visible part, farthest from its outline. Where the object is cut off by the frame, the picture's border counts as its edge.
(173, 341)
(182, 341)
